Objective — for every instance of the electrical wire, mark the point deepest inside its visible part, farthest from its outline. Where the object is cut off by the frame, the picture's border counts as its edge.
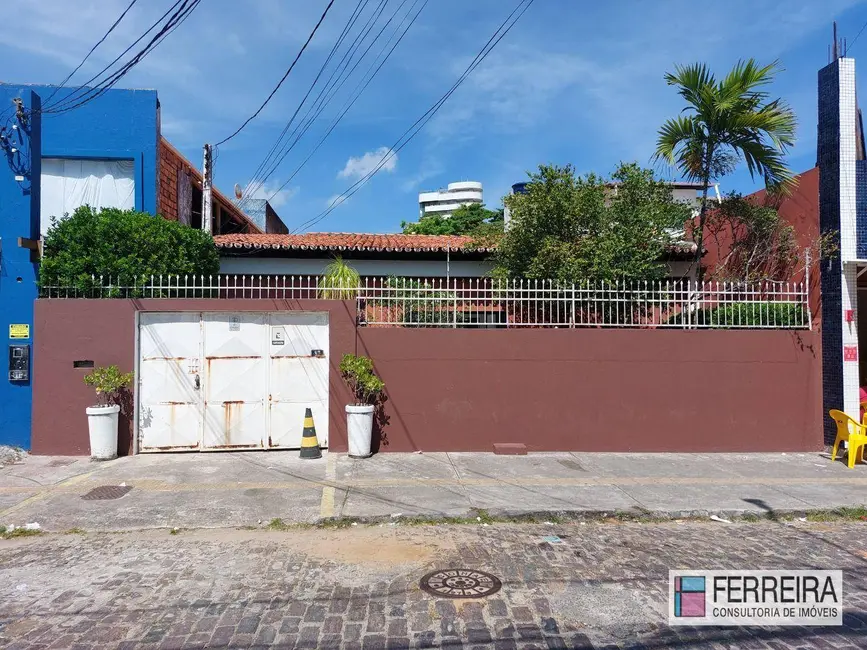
(350, 23)
(87, 56)
(280, 83)
(330, 92)
(330, 88)
(359, 89)
(90, 93)
(79, 92)
(852, 44)
(419, 124)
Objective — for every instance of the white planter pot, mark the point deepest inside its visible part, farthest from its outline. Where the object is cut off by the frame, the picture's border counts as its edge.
(102, 424)
(359, 426)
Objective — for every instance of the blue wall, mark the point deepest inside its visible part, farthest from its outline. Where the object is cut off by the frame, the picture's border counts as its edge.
(121, 124)
(19, 216)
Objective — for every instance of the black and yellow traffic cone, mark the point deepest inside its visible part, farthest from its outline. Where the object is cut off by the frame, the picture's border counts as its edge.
(309, 441)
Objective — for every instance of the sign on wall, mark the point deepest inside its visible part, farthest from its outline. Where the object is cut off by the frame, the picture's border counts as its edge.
(19, 331)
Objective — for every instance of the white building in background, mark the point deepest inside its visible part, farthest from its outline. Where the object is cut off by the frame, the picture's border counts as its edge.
(445, 201)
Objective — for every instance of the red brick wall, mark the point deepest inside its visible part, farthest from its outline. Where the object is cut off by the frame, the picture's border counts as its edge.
(170, 166)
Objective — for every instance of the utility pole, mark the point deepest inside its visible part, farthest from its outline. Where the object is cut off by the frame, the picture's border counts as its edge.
(207, 184)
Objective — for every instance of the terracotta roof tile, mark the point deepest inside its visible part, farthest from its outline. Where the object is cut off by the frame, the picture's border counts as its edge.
(347, 241)
(339, 241)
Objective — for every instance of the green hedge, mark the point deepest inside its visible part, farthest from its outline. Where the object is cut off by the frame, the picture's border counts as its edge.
(746, 314)
(124, 245)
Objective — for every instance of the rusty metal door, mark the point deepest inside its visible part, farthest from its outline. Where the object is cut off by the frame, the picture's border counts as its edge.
(231, 380)
(235, 380)
(170, 404)
(298, 376)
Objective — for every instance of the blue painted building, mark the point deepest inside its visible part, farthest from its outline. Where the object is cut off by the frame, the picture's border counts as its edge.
(103, 153)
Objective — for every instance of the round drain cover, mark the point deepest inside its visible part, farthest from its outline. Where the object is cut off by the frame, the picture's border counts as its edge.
(460, 583)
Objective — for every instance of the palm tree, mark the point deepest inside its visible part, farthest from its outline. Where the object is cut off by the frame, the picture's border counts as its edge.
(726, 121)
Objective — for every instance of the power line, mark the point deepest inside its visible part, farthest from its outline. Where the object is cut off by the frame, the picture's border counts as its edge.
(860, 31)
(356, 93)
(350, 23)
(87, 56)
(332, 86)
(280, 83)
(400, 143)
(77, 98)
(77, 93)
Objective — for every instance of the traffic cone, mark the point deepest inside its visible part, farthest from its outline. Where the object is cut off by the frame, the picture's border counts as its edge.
(309, 441)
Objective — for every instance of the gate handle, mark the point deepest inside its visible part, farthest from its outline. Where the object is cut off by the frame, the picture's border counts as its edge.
(198, 383)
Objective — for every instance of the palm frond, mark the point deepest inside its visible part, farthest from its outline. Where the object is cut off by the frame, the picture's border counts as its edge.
(765, 161)
(691, 81)
(735, 115)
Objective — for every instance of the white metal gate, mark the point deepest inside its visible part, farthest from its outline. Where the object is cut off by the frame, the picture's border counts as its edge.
(218, 380)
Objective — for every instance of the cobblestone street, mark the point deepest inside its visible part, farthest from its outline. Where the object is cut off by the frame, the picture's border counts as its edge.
(604, 586)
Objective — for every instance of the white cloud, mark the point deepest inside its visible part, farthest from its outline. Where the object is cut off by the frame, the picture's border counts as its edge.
(358, 167)
(279, 199)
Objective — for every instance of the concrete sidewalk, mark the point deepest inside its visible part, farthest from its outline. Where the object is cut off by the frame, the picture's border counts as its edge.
(238, 489)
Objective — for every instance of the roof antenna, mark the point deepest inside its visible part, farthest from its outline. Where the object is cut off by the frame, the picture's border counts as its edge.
(835, 53)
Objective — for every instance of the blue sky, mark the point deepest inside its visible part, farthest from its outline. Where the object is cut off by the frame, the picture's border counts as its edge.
(574, 82)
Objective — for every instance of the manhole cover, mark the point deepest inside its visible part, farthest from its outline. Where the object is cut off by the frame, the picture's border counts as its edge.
(460, 583)
(107, 492)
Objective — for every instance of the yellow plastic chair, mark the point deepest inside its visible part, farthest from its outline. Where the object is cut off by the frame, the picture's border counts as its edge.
(855, 434)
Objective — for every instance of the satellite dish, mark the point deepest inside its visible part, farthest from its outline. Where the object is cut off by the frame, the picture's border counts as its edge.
(238, 192)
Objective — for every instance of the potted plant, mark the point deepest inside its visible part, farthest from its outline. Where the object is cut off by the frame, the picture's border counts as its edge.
(102, 417)
(358, 373)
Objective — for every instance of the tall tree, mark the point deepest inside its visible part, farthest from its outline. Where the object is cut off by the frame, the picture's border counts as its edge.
(575, 228)
(723, 122)
(470, 219)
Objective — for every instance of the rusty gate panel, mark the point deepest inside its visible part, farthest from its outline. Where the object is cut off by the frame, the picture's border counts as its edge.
(235, 373)
(170, 412)
(217, 380)
(298, 376)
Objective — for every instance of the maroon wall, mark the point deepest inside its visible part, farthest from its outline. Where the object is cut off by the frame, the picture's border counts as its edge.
(465, 389)
(104, 331)
(598, 389)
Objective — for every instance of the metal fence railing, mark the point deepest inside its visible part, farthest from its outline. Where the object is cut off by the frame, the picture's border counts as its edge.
(491, 303)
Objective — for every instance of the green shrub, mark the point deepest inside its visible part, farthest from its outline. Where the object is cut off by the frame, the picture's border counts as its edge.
(746, 314)
(108, 383)
(358, 374)
(125, 245)
(419, 302)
